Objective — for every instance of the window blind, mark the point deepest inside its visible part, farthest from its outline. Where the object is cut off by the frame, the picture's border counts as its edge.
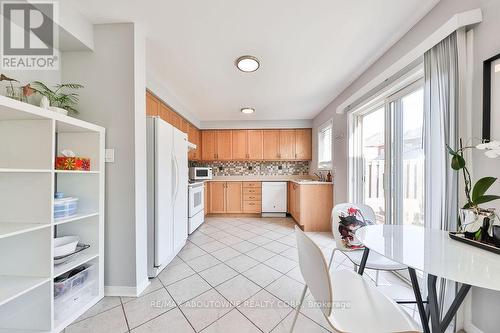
(325, 138)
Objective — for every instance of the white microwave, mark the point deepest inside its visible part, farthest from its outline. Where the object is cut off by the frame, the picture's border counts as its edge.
(200, 173)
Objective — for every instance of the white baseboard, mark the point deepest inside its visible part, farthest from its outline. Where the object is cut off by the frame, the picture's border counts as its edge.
(126, 291)
(469, 328)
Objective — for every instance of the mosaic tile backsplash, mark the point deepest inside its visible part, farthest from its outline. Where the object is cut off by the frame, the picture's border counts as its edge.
(256, 168)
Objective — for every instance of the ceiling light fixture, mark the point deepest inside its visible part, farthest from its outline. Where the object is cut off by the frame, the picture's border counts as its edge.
(247, 110)
(247, 63)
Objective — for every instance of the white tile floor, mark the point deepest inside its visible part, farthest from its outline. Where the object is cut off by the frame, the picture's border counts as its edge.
(233, 275)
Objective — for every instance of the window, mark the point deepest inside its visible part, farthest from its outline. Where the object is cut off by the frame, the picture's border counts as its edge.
(387, 156)
(325, 146)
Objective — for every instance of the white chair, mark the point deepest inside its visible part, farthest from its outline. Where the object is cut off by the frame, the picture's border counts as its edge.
(349, 303)
(346, 219)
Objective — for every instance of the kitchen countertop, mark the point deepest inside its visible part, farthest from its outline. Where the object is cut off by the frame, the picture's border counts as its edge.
(301, 180)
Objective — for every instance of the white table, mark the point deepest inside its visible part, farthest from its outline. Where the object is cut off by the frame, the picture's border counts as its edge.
(435, 253)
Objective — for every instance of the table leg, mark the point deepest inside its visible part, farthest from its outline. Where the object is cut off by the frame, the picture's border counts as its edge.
(433, 303)
(418, 297)
(362, 264)
(455, 305)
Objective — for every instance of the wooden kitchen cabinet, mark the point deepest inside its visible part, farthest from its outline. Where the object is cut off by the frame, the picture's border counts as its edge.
(287, 144)
(239, 144)
(208, 145)
(152, 105)
(175, 120)
(255, 144)
(217, 197)
(234, 197)
(164, 112)
(271, 141)
(194, 136)
(184, 125)
(223, 143)
(303, 144)
(311, 205)
(206, 193)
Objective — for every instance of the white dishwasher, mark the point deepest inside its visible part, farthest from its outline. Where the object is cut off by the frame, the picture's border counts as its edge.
(274, 199)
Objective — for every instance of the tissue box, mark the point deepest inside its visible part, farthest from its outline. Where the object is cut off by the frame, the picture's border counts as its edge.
(72, 163)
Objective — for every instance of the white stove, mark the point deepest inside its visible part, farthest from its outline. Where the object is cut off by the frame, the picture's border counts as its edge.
(196, 203)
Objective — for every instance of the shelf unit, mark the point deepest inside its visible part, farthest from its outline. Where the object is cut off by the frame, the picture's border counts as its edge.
(30, 138)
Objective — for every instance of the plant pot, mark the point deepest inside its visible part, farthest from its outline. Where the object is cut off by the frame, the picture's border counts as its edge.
(58, 110)
(473, 220)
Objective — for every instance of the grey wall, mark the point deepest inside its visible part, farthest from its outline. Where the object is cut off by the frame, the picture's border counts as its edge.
(485, 304)
(109, 99)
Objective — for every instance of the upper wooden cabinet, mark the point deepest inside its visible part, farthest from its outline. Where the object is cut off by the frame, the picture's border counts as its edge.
(208, 150)
(224, 144)
(175, 120)
(194, 136)
(255, 145)
(164, 112)
(273, 145)
(152, 105)
(303, 144)
(287, 144)
(239, 144)
(271, 139)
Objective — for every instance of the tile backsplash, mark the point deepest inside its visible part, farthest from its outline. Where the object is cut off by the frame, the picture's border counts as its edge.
(255, 168)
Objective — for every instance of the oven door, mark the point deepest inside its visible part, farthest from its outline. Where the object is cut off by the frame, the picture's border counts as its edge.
(196, 199)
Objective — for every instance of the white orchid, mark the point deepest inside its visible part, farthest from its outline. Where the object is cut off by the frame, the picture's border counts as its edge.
(492, 148)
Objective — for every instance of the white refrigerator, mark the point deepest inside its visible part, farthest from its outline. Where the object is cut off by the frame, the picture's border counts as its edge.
(167, 154)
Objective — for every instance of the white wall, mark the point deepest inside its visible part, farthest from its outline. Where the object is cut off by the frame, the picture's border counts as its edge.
(485, 304)
(113, 97)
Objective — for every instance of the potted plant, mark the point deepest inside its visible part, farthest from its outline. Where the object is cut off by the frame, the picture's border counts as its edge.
(473, 218)
(59, 99)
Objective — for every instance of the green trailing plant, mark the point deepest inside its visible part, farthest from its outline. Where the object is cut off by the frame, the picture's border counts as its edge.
(475, 194)
(60, 96)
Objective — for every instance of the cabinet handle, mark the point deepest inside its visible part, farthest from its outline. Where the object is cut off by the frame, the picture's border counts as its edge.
(251, 204)
(295, 155)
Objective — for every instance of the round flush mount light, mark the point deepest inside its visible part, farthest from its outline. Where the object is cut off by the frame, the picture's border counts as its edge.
(247, 63)
(247, 110)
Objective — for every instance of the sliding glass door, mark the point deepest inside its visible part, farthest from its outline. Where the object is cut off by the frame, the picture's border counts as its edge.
(388, 158)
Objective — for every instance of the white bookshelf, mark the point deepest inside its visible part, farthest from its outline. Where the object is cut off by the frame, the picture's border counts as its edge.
(30, 139)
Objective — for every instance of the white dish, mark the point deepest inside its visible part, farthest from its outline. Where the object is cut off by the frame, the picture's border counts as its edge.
(65, 245)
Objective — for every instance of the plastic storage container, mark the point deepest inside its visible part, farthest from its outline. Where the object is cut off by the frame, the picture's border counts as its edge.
(65, 207)
(75, 291)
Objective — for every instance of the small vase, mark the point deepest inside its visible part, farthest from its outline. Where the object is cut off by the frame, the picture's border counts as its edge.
(472, 220)
(44, 102)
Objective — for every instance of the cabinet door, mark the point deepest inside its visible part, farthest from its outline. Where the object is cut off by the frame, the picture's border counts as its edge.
(217, 197)
(208, 145)
(296, 204)
(255, 149)
(151, 105)
(175, 120)
(234, 198)
(291, 198)
(164, 112)
(239, 144)
(184, 125)
(223, 145)
(303, 144)
(287, 144)
(271, 139)
(194, 137)
(206, 194)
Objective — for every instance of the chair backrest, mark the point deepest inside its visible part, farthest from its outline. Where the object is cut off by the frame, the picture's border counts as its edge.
(346, 219)
(315, 271)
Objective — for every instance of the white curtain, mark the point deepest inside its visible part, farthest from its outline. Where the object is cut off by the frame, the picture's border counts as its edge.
(442, 73)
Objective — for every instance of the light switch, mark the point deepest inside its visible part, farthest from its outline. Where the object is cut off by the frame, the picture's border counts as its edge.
(109, 155)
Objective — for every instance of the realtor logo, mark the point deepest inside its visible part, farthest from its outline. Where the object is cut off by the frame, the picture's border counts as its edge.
(29, 36)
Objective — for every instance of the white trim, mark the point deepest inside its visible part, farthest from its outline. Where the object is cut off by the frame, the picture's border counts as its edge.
(126, 291)
(457, 21)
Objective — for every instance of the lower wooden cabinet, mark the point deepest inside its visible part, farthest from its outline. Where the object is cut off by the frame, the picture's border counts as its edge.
(311, 205)
(233, 197)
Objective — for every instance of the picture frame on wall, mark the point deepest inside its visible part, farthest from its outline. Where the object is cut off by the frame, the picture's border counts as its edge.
(491, 98)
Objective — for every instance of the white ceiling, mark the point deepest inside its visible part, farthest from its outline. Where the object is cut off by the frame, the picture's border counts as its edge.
(309, 50)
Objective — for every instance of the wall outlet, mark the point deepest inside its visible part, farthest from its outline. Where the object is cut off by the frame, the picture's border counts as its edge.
(109, 155)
